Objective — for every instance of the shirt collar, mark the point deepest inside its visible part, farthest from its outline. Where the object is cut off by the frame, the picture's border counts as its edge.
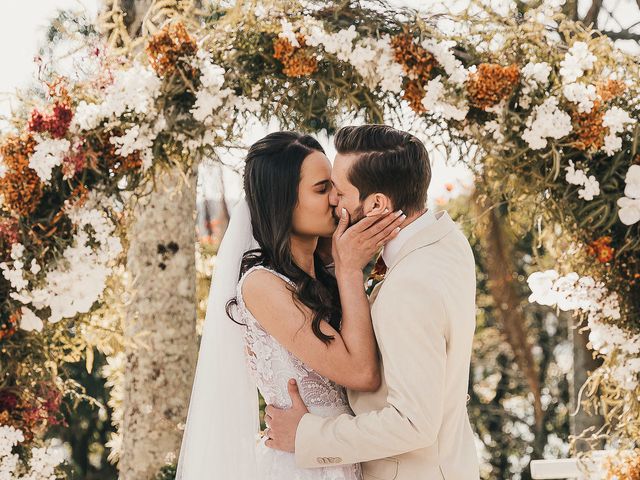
(393, 248)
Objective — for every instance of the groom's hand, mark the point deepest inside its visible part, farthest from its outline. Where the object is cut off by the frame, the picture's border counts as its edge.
(283, 424)
(353, 247)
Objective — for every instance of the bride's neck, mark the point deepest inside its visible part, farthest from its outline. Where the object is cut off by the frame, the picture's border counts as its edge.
(302, 250)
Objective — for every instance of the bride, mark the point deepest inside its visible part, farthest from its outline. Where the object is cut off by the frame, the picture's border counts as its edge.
(276, 312)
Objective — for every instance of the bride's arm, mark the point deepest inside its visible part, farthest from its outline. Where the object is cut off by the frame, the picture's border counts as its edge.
(351, 358)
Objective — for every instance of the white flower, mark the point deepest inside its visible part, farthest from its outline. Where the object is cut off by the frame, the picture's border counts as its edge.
(537, 72)
(576, 61)
(9, 438)
(47, 155)
(578, 177)
(581, 94)
(133, 90)
(445, 57)
(14, 274)
(632, 180)
(626, 373)
(616, 120)
(212, 75)
(288, 33)
(88, 115)
(547, 120)
(629, 212)
(433, 102)
(30, 321)
(208, 102)
(541, 284)
(495, 129)
(139, 138)
(339, 43)
(35, 267)
(572, 292)
(78, 280)
(17, 251)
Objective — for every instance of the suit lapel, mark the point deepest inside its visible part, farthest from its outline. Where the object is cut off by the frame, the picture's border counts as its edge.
(427, 236)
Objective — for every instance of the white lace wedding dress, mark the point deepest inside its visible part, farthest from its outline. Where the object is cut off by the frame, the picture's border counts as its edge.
(272, 366)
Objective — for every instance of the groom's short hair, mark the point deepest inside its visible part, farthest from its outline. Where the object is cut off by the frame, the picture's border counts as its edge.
(390, 161)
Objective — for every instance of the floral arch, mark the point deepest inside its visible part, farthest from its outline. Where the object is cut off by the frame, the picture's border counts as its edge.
(546, 110)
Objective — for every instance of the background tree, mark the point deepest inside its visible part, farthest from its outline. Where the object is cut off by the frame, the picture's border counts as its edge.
(161, 262)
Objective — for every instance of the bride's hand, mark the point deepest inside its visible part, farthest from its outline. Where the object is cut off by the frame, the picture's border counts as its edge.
(353, 247)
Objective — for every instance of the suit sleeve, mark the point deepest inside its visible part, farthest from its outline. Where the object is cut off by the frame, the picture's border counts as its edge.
(411, 328)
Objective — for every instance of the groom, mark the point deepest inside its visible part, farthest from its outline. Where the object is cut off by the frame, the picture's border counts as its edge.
(415, 426)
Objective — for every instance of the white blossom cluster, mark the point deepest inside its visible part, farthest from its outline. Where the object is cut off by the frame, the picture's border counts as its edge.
(434, 101)
(134, 90)
(576, 61)
(216, 106)
(591, 187)
(140, 138)
(42, 463)
(534, 76)
(373, 59)
(580, 94)
(616, 120)
(48, 154)
(572, 292)
(546, 121)
(629, 211)
(441, 51)
(584, 294)
(79, 277)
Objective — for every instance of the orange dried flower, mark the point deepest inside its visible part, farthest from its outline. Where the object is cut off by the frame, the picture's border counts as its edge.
(298, 61)
(610, 90)
(601, 249)
(413, 94)
(78, 195)
(416, 61)
(492, 83)
(20, 185)
(10, 327)
(170, 49)
(589, 128)
(627, 468)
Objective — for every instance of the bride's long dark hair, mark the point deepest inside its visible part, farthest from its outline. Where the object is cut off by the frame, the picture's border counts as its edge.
(271, 178)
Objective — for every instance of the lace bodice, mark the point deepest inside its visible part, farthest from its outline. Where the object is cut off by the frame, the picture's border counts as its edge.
(273, 365)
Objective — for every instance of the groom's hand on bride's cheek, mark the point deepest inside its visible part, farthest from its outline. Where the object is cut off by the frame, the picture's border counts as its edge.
(283, 424)
(355, 246)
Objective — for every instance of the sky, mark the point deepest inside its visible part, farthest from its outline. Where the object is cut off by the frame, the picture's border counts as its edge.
(23, 24)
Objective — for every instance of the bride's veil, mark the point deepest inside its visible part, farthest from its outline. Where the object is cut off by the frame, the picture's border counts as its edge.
(222, 424)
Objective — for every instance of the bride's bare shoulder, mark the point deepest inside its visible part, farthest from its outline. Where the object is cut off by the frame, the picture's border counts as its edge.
(269, 298)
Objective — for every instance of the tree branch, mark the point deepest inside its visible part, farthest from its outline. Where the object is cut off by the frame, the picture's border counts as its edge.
(622, 34)
(592, 15)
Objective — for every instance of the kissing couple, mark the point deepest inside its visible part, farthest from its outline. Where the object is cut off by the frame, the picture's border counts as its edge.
(363, 379)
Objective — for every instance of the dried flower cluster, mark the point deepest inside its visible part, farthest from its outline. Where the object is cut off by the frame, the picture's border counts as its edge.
(297, 61)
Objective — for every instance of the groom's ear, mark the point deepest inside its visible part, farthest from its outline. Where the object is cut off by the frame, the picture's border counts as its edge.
(376, 204)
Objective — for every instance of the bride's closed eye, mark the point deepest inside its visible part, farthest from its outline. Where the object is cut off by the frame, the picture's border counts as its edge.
(322, 188)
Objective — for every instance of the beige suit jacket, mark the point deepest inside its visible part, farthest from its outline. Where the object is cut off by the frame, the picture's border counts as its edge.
(415, 427)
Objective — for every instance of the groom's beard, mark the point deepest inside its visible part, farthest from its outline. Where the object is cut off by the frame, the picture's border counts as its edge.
(355, 218)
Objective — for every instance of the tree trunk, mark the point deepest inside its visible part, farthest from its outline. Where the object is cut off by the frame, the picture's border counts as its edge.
(161, 262)
(499, 268)
(158, 378)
